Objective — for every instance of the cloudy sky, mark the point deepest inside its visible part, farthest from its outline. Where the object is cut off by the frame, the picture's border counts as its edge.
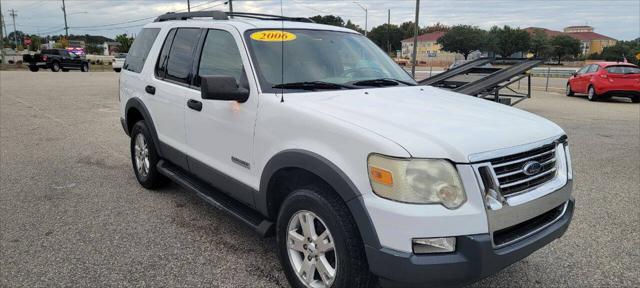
(619, 19)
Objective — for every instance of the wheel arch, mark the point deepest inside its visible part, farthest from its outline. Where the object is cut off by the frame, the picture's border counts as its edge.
(136, 111)
(304, 163)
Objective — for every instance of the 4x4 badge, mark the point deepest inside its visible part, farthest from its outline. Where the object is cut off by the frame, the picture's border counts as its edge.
(531, 168)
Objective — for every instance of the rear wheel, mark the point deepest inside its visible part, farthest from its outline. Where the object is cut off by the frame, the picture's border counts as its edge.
(635, 99)
(117, 70)
(568, 91)
(84, 67)
(318, 242)
(34, 69)
(144, 157)
(591, 94)
(55, 66)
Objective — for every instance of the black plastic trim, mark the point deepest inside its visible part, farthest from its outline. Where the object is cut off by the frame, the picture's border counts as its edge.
(474, 259)
(328, 172)
(217, 198)
(139, 105)
(222, 181)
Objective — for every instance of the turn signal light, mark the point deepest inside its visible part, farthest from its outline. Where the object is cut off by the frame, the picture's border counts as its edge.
(381, 176)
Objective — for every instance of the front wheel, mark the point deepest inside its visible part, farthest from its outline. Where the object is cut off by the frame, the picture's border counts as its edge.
(318, 242)
(144, 157)
(34, 69)
(568, 91)
(117, 70)
(84, 67)
(55, 67)
(591, 94)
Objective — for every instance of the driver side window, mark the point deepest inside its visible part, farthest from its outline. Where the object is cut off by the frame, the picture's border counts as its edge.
(220, 56)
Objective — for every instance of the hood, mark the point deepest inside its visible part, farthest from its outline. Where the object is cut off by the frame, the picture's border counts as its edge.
(433, 123)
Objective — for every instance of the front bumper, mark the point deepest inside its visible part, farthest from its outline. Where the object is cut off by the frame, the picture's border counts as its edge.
(475, 258)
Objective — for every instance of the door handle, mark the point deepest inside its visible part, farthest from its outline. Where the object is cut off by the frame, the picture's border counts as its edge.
(150, 89)
(194, 104)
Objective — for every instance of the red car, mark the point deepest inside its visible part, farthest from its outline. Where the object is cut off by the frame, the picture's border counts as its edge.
(606, 79)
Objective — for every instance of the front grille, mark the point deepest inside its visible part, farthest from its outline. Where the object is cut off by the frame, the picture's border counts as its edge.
(519, 231)
(510, 172)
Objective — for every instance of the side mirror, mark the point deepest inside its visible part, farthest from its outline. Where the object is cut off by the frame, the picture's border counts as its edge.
(574, 74)
(222, 87)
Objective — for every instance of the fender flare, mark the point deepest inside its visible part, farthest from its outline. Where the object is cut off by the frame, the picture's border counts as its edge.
(332, 175)
(136, 103)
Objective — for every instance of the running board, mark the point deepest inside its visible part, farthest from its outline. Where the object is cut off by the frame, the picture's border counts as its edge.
(217, 198)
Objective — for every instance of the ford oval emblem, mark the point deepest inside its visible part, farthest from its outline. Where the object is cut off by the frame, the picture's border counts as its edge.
(531, 168)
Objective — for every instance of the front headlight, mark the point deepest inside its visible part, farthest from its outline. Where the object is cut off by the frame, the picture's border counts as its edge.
(420, 181)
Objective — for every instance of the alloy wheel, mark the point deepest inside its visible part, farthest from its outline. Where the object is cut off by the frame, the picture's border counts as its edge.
(311, 250)
(141, 153)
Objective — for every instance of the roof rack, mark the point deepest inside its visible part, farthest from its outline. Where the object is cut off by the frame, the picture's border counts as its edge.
(221, 15)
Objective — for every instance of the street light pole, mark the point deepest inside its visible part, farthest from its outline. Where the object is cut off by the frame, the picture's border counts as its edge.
(188, 6)
(366, 16)
(415, 40)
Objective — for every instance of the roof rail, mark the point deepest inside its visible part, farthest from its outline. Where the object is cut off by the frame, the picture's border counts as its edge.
(221, 15)
(216, 15)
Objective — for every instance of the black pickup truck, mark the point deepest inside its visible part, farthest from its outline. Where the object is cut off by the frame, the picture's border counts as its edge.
(56, 60)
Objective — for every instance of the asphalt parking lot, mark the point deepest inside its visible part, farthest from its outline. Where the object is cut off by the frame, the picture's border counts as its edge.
(72, 213)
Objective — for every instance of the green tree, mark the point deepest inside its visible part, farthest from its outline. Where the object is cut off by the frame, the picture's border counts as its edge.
(125, 43)
(563, 45)
(539, 43)
(329, 20)
(352, 26)
(622, 50)
(36, 42)
(507, 41)
(438, 27)
(380, 34)
(463, 39)
(94, 49)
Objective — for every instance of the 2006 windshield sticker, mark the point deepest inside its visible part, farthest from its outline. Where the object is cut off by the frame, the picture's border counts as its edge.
(273, 36)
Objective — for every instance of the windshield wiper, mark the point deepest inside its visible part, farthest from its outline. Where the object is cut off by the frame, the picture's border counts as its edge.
(382, 82)
(312, 85)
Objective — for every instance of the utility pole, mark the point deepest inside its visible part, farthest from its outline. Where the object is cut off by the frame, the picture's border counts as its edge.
(15, 33)
(388, 31)
(1, 35)
(66, 28)
(415, 41)
(231, 7)
(188, 6)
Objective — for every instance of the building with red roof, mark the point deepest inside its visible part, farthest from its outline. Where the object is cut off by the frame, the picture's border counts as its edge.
(591, 42)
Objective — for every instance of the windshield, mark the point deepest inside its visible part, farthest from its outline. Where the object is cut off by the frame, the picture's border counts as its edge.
(319, 57)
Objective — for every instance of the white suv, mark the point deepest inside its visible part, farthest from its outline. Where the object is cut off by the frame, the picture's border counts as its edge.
(311, 132)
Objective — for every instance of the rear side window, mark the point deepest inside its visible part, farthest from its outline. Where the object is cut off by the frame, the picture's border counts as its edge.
(623, 70)
(220, 56)
(140, 49)
(161, 65)
(180, 59)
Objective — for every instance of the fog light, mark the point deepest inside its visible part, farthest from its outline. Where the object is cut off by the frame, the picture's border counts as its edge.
(434, 245)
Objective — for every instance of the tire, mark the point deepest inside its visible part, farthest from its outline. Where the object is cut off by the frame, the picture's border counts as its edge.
(635, 99)
(117, 70)
(591, 94)
(55, 66)
(328, 212)
(568, 91)
(84, 67)
(34, 69)
(144, 157)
